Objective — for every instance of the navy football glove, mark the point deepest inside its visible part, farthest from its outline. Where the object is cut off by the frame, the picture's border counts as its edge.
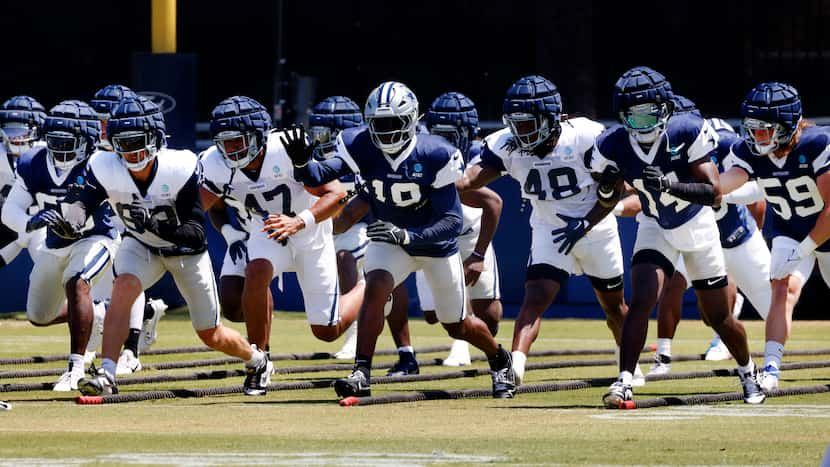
(575, 228)
(297, 147)
(608, 183)
(142, 219)
(53, 221)
(653, 179)
(387, 232)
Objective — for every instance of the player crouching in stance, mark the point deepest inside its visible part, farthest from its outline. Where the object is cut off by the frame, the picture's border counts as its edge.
(71, 260)
(410, 181)
(288, 224)
(547, 158)
(790, 159)
(667, 159)
(155, 192)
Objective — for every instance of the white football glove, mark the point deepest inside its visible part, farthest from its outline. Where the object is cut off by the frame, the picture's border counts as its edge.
(74, 214)
(794, 258)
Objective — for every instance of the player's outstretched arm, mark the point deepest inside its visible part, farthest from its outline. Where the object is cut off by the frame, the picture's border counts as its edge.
(14, 213)
(282, 226)
(477, 176)
(446, 219)
(491, 203)
(705, 191)
(732, 179)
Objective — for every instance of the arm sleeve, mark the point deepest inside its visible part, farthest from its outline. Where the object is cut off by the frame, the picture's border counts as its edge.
(14, 213)
(446, 218)
(190, 232)
(750, 192)
(317, 173)
(696, 192)
(488, 158)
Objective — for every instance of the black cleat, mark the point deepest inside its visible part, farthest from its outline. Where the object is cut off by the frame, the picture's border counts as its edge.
(406, 365)
(258, 378)
(100, 384)
(504, 379)
(354, 385)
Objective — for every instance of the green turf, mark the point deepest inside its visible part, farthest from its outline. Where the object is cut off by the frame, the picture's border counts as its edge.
(308, 427)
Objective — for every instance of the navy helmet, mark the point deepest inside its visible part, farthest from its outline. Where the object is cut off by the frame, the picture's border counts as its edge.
(328, 118)
(453, 116)
(108, 97)
(239, 127)
(771, 113)
(21, 122)
(532, 109)
(137, 131)
(72, 131)
(683, 104)
(643, 100)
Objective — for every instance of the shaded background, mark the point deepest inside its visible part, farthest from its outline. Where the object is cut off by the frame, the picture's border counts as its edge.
(290, 54)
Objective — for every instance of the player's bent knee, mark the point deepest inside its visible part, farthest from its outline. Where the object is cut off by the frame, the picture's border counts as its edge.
(325, 333)
(210, 337)
(455, 330)
(259, 270)
(232, 313)
(126, 281)
(653, 257)
(710, 284)
(430, 316)
(76, 286)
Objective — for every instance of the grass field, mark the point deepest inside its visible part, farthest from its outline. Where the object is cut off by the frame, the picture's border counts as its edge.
(307, 427)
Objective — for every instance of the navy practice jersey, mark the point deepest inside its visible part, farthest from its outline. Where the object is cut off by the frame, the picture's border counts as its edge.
(735, 222)
(415, 190)
(789, 183)
(37, 175)
(687, 139)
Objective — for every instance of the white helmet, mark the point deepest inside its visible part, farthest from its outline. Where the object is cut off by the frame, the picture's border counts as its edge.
(392, 115)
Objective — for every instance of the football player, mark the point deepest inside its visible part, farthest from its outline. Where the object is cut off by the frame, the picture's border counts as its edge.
(547, 157)
(288, 224)
(155, 191)
(144, 315)
(411, 182)
(21, 130)
(745, 254)
(454, 116)
(790, 159)
(71, 261)
(667, 159)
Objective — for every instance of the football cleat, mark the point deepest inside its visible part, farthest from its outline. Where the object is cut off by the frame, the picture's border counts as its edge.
(406, 365)
(347, 352)
(717, 350)
(459, 354)
(769, 378)
(258, 378)
(638, 379)
(149, 331)
(504, 379)
(752, 390)
(68, 381)
(101, 384)
(661, 365)
(617, 394)
(128, 363)
(356, 384)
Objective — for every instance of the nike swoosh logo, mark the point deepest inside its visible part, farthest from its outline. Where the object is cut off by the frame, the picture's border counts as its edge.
(712, 281)
(614, 286)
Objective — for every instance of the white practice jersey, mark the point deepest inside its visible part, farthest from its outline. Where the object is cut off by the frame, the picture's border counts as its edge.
(176, 170)
(274, 191)
(7, 170)
(559, 182)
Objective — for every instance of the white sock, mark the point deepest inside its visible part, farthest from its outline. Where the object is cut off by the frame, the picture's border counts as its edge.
(739, 304)
(256, 357)
(664, 347)
(99, 310)
(626, 377)
(519, 360)
(748, 368)
(76, 363)
(109, 367)
(137, 312)
(406, 348)
(773, 352)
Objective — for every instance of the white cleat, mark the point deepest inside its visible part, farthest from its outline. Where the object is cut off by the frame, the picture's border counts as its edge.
(148, 328)
(717, 351)
(639, 380)
(128, 363)
(661, 365)
(349, 349)
(769, 378)
(459, 354)
(68, 381)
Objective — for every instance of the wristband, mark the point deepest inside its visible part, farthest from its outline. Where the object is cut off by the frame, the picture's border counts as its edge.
(477, 255)
(308, 218)
(618, 209)
(806, 247)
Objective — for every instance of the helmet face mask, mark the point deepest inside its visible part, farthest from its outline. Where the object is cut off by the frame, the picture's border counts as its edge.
(328, 118)
(65, 148)
(454, 117)
(764, 137)
(528, 130)
(392, 115)
(326, 139)
(646, 122)
(136, 149)
(19, 137)
(238, 148)
(457, 136)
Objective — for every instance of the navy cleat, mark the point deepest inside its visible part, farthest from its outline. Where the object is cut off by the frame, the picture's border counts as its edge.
(354, 385)
(504, 378)
(406, 365)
